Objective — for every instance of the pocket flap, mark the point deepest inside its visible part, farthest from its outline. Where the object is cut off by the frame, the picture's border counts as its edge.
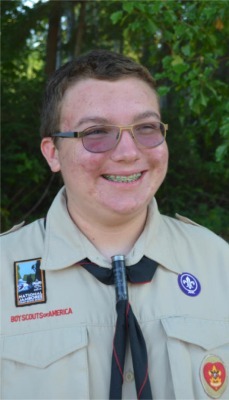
(40, 349)
(208, 334)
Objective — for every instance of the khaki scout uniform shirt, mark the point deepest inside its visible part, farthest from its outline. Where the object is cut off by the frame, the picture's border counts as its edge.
(62, 349)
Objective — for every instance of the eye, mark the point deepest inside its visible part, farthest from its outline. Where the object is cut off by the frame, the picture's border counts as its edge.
(154, 126)
(96, 131)
(148, 128)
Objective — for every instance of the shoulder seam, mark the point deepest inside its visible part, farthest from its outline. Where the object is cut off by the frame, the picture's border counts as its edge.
(13, 229)
(186, 220)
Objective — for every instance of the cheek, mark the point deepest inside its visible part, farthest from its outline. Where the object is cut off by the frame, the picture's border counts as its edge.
(75, 160)
(67, 161)
(159, 158)
(165, 158)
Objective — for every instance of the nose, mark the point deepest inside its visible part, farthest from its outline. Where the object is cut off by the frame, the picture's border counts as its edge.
(126, 149)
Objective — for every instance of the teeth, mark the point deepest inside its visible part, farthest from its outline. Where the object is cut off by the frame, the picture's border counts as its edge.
(120, 178)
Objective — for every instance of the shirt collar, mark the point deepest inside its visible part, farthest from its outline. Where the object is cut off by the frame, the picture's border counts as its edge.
(65, 245)
(155, 241)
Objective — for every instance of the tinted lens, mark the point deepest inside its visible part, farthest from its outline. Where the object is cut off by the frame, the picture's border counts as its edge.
(99, 139)
(150, 135)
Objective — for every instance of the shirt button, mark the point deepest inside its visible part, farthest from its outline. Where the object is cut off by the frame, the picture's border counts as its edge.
(129, 376)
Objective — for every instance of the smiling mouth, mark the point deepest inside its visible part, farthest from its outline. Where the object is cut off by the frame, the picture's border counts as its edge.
(123, 178)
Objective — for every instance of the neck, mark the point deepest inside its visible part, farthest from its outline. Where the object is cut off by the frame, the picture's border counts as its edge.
(116, 236)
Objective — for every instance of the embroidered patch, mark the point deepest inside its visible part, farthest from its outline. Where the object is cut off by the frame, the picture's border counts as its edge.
(189, 284)
(213, 376)
(29, 283)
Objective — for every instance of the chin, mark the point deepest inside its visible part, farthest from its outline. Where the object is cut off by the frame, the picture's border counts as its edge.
(129, 209)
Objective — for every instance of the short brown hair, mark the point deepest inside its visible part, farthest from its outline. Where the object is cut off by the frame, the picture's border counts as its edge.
(97, 64)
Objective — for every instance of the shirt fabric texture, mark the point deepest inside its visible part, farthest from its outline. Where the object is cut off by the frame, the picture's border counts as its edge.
(62, 349)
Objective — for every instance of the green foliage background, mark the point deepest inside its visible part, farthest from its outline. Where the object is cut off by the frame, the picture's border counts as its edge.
(185, 46)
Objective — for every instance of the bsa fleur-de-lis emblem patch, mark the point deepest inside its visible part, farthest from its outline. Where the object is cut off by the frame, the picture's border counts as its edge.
(189, 284)
(213, 376)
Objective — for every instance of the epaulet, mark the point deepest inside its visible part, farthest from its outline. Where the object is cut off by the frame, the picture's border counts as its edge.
(14, 228)
(186, 220)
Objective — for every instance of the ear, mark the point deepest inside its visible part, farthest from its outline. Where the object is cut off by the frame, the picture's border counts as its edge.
(50, 153)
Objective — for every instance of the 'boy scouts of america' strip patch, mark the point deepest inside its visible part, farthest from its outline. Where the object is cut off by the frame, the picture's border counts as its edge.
(29, 283)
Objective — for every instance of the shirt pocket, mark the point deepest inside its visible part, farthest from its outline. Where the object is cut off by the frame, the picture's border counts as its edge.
(189, 342)
(48, 364)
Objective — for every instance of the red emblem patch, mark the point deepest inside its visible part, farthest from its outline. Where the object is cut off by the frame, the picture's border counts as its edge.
(213, 376)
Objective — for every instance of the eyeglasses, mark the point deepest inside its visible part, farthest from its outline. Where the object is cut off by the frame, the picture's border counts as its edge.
(102, 138)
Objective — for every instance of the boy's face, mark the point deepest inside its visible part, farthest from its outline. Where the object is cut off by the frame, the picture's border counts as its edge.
(121, 181)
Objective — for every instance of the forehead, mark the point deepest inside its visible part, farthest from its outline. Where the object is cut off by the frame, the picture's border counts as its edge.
(90, 87)
(123, 97)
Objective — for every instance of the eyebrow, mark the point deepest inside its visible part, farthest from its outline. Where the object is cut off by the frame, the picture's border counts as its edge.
(147, 114)
(101, 120)
(94, 119)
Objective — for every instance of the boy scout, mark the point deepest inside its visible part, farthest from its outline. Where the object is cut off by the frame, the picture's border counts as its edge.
(101, 128)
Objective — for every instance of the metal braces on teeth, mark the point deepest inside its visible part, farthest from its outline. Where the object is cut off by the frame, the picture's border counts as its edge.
(120, 178)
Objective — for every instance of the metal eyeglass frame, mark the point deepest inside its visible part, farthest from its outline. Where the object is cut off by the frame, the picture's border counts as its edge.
(78, 135)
